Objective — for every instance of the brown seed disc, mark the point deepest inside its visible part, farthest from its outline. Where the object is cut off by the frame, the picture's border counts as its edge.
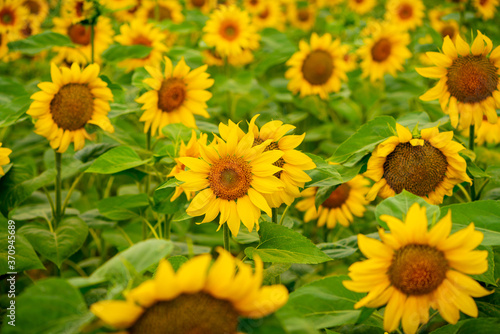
(33, 6)
(265, 13)
(230, 177)
(381, 50)
(72, 106)
(338, 197)
(7, 16)
(165, 13)
(79, 8)
(198, 3)
(317, 67)
(79, 34)
(229, 30)
(303, 15)
(171, 94)
(448, 31)
(405, 11)
(273, 146)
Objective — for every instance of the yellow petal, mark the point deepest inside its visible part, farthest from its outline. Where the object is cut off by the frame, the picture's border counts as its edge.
(117, 313)
(191, 276)
(462, 47)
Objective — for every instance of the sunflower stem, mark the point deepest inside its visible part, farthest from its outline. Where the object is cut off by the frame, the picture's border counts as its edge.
(148, 148)
(283, 215)
(274, 215)
(471, 147)
(92, 48)
(58, 212)
(225, 230)
(166, 226)
(70, 192)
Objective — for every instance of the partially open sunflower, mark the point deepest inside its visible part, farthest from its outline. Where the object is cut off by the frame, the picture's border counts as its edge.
(488, 133)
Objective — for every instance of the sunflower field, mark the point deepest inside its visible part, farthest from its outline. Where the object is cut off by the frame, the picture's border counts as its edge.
(249, 166)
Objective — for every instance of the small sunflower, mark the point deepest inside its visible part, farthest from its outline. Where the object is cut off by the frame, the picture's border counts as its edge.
(270, 16)
(195, 299)
(4, 158)
(38, 9)
(135, 12)
(212, 58)
(231, 177)
(80, 36)
(468, 86)
(486, 9)
(350, 58)
(31, 27)
(445, 28)
(385, 52)
(142, 33)
(13, 14)
(413, 269)
(66, 105)
(205, 6)
(230, 31)
(405, 14)
(346, 200)
(76, 9)
(317, 68)
(488, 133)
(302, 17)
(178, 94)
(244, 58)
(253, 6)
(428, 166)
(361, 6)
(164, 10)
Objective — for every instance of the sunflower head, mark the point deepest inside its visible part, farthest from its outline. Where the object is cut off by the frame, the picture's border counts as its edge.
(486, 9)
(13, 14)
(361, 6)
(4, 158)
(406, 14)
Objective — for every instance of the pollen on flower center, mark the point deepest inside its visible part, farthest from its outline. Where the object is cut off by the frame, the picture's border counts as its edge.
(405, 11)
(72, 106)
(381, 50)
(472, 78)
(198, 313)
(230, 177)
(273, 146)
(418, 169)
(317, 67)
(171, 94)
(79, 34)
(418, 269)
(229, 30)
(337, 197)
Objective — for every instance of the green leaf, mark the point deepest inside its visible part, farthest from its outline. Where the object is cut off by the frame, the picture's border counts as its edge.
(37, 43)
(281, 244)
(481, 325)
(93, 151)
(489, 275)
(484, 214)
(117, 52)
(57, 246)
(162, 203)
(273, 271)
(116, 160)
(399, 205)
(172, 182)
(177, 132)
(343, 248)
(123, 207)
(411, 119)
(365, 139)
(177, 261)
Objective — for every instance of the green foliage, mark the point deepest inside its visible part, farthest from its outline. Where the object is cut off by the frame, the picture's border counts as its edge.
(116, 160)
(40, 42)
(118, 52)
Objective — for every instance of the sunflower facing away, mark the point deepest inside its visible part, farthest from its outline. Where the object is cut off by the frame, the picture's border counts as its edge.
(428, 166)
(4, 158)
(231, 177)
(178, 94)
(230, 31)
(414, 268)
(468, 86)
(361, 6)
(318, 68)
(385, 52)
(346, 200)
(195, 299)
(486, 9)
(406, 14)
(72, 100)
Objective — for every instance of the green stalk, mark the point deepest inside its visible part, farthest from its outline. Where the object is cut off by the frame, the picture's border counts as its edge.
(148, 148)
(166, 226)
(92, 47)
(275, 215)
(225, 230)
(471, 147)
(58, 211)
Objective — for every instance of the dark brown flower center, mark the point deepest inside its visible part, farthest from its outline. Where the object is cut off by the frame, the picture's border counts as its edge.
(317, 67)
(79, 34)
(448, 31)
(198, 3)
(303, 15)
(338, 197)
(265, 13)
(229, 30)
(72, 106)
(141, 40)
(230, 177)
(417, 269)
(198, 313)
(405, 11)
(483, 2)
(33, 6)
(381, 50)
(27, 31)
(273, 146)
(417, 169)
(472, 78)
(171, 94)
(79, 8)
(164, 13)
(7, 16)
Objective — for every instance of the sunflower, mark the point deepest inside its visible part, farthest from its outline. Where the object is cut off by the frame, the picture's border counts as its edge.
(80, 36)
(135, 12)
(270, 16)
(76, 9)
(192, 150)
(487, 133)
(177, 95)
(115, 5)
(361, 6)
(12, 17)
(205, 6)
(385, 52)
(66, 105)
(468, 85)
(486, 9)
(350, 58)
(4, 157)
(212, 58)
(230, 31)
(195, 299)
(428, 165)
(317, 68)
(38, 9)
(231, 176)
(302, 17)
(161, 10)
(253, 6)
(244, 58)
(142, 33)
(405, 14)
(413, 269)
(346, 200)
(445, 28)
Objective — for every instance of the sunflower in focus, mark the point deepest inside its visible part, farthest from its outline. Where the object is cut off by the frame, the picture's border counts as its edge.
(178, 94)
(361, 6)
(468, 86)
(486, 9)
(412, 269)
(346, 200)
(445, 28)
(318, 68)
(4, 158)
(231, 177)
(270, 16)
(205, 6)
(66, 105)
(405, 14)
(13, 14)
(230, 31)
(195, 299)
(38, 9)
(488, 133)
(385, 52)
(428, 165)
(142, 33)
(161, 10)
(301, 17)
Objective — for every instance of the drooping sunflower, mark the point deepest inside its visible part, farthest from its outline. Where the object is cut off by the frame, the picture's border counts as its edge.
(4, 157)
(413, 269)
(385, 52)
(428, 165)
(346, 200)
(361, 6)
(405, 14)
(142, 33)
(66, 105)
(13, 14)
(195, 299)
(468, 86)
(38, 9)
(80, 36)
(178, 94)
(205, 6)
(230, 31)
(317, 68)
(270, 16)
(301, 17)
(486, 9)
(231, 177)
(445, 28)
(164, 10)
(488, 133)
